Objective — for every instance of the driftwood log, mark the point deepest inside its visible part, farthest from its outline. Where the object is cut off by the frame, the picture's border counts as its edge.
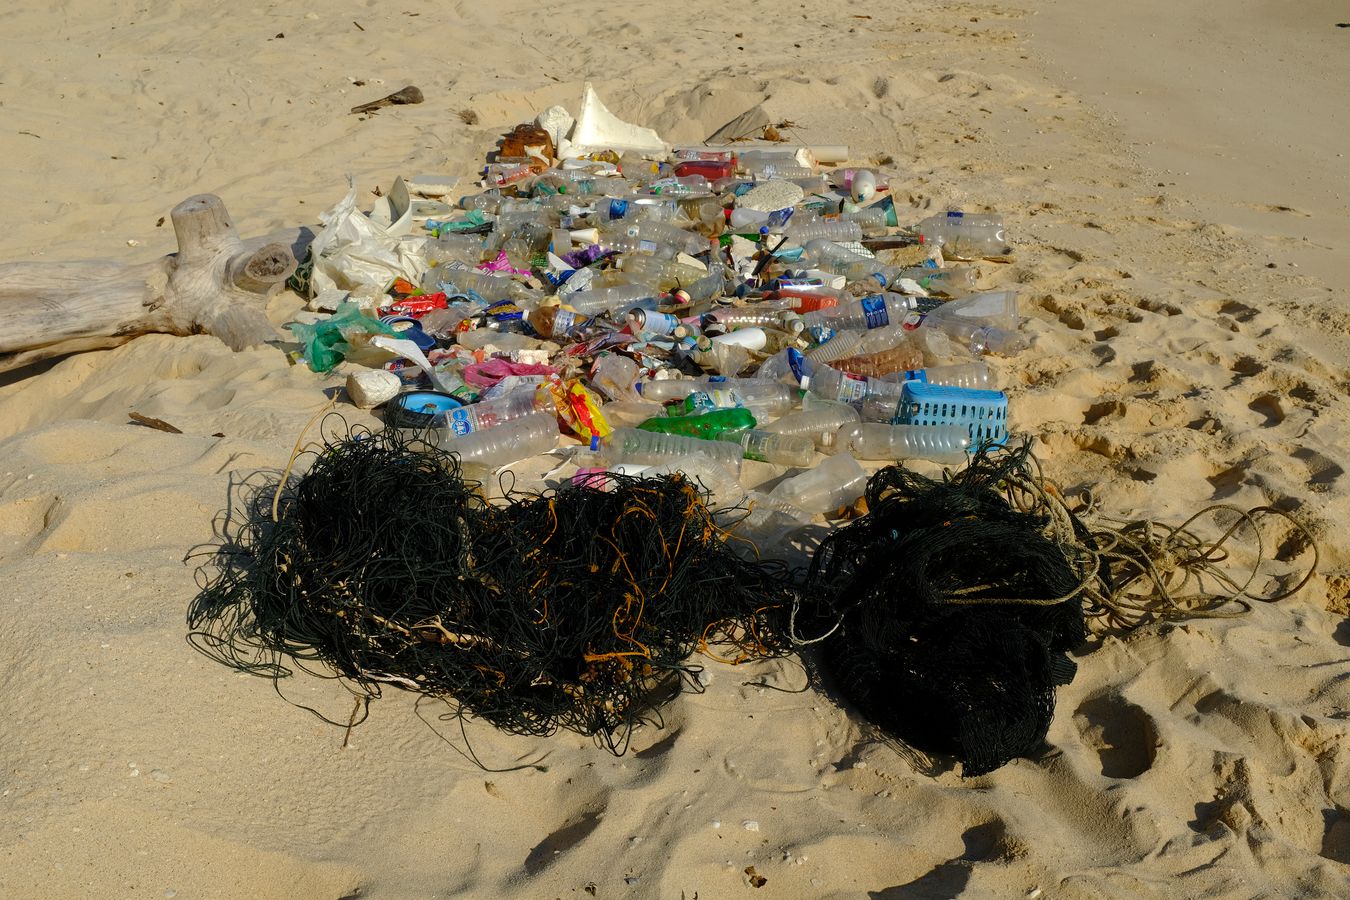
(215, 284)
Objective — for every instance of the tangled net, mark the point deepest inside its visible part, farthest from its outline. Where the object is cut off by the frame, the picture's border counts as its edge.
(945, 614)
(952, 611)
(577, 609)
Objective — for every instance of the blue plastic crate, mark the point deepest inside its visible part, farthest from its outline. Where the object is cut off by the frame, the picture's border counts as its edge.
(985, 413)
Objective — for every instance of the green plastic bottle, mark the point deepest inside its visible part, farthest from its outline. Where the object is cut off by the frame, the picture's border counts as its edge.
(707, 426)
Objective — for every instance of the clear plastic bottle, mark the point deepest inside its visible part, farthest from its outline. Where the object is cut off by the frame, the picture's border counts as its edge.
(874, 311)
(836, 482)
(984, 323)
(663, 233)
(819, 423)
(665, 274)
(747, 316)
(965, 235)
(490, 413)
(630, 445)
(833, 258)
(843, 345)
(517, 439)
(771, 397)
(723, 486)
(769, 169)
(871, 219)
(795, 451)
(874, 398)
(478, 338)
(833, 230)
(971, 375)
(874, 440)
(608, 299)
(956, 281)
(453, 279)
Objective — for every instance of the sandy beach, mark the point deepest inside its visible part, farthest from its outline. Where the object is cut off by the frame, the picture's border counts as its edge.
(1174, 180)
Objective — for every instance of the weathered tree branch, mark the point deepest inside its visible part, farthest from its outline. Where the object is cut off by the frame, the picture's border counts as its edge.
(215, 284)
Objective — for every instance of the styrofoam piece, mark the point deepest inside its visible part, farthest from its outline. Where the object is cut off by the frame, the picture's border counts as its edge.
(771, 195)
(372, 387)
(557, 121)
(393, 211)
(433, 185)
(599, 129)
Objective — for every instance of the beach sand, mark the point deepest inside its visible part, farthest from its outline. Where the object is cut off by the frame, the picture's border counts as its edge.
(1162, 173)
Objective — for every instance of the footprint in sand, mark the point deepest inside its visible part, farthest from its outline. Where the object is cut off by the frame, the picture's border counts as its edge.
(1121, 733)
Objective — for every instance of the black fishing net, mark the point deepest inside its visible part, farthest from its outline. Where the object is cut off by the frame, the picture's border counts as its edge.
(949, 608)
(575, 609)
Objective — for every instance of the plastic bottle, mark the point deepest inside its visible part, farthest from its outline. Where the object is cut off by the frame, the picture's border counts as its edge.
(759, 395)
(723, 486)
(490, 413)
(861, 184)
(964, 235)
(873, 440)
(819, 423)
(666, 274)
(517, 439)
(706, 425)
(834, 230)
(871, 219)
(554, 321)
(479, 338)
(874, 311)
(491, 288)
(769, 169)
(956, 281)
(664, 233)
(843, 345)
(858, 391)
(791, 450)
(613, 375)
(900, 358)
(830, 256)
(984, 323)
(747, 316)
(632, 445)
(608, 299)
(972, 375)
(836, 482)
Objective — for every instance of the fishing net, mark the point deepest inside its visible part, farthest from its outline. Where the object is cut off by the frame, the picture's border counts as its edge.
(575, 609)
(945, 612)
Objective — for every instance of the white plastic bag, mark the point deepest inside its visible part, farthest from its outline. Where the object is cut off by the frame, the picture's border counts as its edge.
(353, 253)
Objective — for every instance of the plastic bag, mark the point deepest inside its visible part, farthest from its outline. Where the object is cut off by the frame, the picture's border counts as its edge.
(326, 343)
(354, 253)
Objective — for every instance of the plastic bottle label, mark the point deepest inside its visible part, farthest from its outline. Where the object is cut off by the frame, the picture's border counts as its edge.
(459, 422)
(797, 363)
(563, 321)
(852, 388)
(919, 375)
(779, 217)
(913, 321)
(875, 312)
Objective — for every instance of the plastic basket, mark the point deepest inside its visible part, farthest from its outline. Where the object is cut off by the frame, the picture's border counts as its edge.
(985, 413)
